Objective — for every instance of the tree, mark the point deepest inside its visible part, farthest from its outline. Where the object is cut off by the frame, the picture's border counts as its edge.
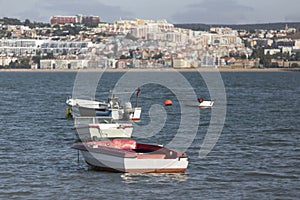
(13, 65)
(27, 22)
(91, 24)
(56, 26)
(11, 21)
(8, 34)
(257, 53)
(123, 57)
(297, 56)
(244, 56)
(36, 60)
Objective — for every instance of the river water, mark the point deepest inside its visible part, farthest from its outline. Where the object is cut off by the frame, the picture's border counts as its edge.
(257, 155)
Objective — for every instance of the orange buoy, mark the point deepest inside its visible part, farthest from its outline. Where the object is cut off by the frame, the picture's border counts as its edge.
(168, 102)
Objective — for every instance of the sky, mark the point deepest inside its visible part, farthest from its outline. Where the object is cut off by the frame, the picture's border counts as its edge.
(174, 11)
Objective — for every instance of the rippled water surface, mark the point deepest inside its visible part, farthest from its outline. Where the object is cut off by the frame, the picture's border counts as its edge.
(257, 154)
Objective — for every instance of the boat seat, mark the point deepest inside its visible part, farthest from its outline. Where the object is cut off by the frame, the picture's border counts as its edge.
(124, 144)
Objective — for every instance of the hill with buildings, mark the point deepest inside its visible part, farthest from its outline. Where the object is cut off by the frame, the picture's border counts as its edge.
(79, 42)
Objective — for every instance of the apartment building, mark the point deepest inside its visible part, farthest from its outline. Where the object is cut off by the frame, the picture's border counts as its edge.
(81, 19)
(31, 47)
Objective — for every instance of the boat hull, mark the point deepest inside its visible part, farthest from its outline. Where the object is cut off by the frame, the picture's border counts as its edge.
(206, 104)
(127, 156)
(104, 162)
(84, 111)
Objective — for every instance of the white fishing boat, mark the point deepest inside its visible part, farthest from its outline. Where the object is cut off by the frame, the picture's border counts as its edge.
(83, 102)
(81, 107)
(205, 104)
(125, 155)
(99, 128)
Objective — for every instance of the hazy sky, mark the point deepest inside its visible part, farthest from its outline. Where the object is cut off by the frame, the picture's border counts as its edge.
(175, 11)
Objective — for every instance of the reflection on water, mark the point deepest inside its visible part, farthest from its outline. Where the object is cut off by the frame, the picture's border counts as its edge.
(154, 178)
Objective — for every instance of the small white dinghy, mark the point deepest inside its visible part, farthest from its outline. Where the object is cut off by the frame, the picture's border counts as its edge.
(205, 104)
(125, 155)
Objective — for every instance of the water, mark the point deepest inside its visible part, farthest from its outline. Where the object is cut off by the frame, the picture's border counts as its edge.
(257, 155)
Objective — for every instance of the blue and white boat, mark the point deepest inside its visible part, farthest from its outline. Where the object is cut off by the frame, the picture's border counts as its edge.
(83, 107)
(112, 108)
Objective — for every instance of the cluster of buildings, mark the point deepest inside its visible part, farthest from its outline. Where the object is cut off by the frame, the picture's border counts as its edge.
(78, 19)
(272, 41)
(141, 44)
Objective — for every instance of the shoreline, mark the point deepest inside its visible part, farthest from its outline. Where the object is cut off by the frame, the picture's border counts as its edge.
(159, 70)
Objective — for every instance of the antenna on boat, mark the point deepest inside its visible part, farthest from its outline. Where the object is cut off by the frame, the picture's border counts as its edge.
(137, 96)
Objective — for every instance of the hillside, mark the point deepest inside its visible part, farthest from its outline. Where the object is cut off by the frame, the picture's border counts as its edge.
(267, 26)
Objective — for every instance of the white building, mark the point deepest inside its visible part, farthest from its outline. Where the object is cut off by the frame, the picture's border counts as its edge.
(271, 51)
(31, 47)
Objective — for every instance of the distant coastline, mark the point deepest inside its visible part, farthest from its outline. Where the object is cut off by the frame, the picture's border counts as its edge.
(159, 70)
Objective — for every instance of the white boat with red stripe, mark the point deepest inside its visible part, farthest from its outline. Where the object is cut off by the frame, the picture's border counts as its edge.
(128, 156)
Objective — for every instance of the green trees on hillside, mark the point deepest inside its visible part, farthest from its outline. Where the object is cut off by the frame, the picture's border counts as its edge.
(266, 59)
(27, 22)
(10, 21)
(21, 63)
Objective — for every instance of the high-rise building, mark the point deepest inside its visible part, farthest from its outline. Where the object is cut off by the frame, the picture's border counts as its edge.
(62, 19)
